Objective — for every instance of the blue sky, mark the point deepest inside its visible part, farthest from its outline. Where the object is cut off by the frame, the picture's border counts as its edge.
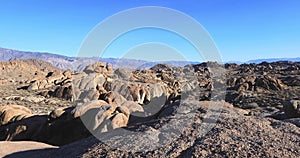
(242, 29)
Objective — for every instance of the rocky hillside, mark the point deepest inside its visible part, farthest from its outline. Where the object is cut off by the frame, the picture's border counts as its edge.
(20, 70)
(200, 110)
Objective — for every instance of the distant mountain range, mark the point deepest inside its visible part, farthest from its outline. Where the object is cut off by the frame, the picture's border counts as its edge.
(78, 63)
(274, 60)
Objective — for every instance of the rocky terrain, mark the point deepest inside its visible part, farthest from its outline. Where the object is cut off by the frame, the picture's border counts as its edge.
(200, 110)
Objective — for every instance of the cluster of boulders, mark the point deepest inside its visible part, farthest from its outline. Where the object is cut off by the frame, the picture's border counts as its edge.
(255, 83)
(291, 80)
(50, 80)
(99, 67)
(269, 68)
(63, 125)
(60, 80)
(268, 88)
(23, 71)
(102, 104)
(106, 99)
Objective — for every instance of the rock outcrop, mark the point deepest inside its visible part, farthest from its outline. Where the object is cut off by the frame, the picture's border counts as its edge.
(50, 80)
(7, 148)
(13, 113)
(253, 83)
(206, 109)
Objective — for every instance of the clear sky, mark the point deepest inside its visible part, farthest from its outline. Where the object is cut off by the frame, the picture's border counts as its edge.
(241, 29)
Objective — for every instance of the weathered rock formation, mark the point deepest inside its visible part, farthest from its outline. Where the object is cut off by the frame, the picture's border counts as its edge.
(229, 100)
(13, 113)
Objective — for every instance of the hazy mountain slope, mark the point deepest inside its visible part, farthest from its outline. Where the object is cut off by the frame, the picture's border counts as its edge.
(78, 63)
(273, 60)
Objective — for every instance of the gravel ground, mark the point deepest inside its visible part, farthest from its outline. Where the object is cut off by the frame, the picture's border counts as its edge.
(234, 135)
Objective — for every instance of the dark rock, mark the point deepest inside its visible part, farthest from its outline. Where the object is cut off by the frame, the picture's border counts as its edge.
(292, 108)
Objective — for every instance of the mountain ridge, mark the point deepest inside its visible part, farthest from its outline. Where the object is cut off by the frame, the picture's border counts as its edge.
(78, 63)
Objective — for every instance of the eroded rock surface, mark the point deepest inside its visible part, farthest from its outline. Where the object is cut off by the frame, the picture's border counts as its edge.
(249, 109)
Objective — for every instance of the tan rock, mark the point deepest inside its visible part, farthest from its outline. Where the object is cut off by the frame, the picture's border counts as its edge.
(139, 93)
(34, 86)
(133, 106)
(63, 113)
(97, 67)
(25, 129)
(12, 113)
(82, 109)
(120, 120)
(65, 91)
(10, 148)
(114, 98)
